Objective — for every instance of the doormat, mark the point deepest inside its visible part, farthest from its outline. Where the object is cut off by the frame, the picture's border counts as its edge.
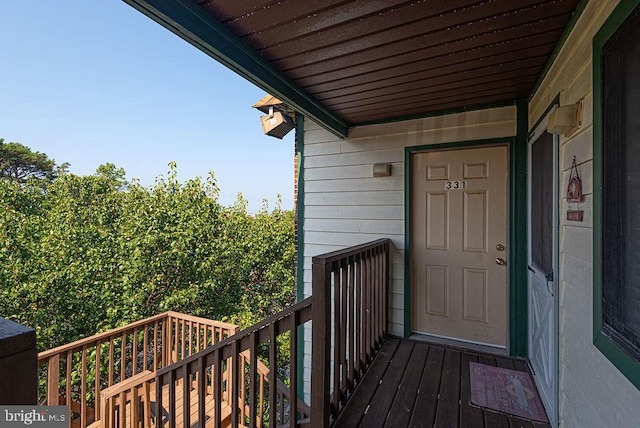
(505, 390)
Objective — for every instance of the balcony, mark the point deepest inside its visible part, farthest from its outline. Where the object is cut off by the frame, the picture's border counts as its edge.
(176, 370)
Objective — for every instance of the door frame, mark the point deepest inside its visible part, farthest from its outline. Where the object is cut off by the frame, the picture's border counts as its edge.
(517, 333)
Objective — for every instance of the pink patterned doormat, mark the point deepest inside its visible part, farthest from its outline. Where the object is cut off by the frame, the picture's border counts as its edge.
(505, 390)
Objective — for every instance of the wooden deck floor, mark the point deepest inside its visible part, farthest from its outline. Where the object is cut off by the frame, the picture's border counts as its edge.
(414, 384)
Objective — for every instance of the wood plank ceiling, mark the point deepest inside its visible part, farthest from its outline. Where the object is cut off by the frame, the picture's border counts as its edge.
(376, 60)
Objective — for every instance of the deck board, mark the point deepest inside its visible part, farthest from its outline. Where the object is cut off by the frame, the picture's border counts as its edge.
(403, 403)
(424, 410)
(365, 391)
(425, 385)
(383, 398)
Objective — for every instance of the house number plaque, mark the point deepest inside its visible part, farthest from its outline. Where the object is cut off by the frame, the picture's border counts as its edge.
(455, 185)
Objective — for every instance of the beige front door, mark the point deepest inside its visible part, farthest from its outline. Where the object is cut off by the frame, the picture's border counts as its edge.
(458, 244)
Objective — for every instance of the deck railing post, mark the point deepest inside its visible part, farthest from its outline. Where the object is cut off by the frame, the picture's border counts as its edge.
(320, 343)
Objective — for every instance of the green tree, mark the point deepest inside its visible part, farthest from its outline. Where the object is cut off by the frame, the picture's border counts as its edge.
(84, 257)
(19, 163)
(114, 174)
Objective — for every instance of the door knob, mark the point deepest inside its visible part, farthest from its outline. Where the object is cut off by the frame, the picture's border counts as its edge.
(500, 261)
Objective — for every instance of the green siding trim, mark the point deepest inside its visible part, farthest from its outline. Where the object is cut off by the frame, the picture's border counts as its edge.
(436, 113)
(300, 249)
(518, 302)
(623, 362)
(517, 230)
(565, 35)
(189, 21)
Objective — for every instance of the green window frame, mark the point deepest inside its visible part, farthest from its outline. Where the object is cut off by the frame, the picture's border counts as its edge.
(605, 338)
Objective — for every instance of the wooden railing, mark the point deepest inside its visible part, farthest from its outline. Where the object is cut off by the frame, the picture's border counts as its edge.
(231, 373)
(349, 323)
(185, 371)
(76, 373)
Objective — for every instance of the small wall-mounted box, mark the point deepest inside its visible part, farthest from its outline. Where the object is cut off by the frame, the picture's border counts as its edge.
(565, 120)
(276, 124)
(382, 170)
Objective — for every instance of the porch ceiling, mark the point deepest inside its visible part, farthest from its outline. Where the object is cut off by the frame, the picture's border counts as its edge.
(365, 61)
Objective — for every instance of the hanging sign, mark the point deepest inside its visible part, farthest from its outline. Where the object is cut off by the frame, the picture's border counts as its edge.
(574, 193)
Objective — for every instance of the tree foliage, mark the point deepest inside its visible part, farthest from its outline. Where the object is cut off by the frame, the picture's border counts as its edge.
(18, 163)
(84, 256)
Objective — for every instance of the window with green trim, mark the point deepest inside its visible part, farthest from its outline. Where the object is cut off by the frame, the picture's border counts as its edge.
(617, 189)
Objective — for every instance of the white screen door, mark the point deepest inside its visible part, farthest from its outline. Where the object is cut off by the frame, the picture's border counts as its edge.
(543, 256)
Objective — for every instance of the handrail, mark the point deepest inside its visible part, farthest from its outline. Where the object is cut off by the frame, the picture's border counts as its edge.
(75, 374)
(350, 306)
(78, 344)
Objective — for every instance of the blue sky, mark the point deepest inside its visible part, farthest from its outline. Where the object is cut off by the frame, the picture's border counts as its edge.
(95, 81)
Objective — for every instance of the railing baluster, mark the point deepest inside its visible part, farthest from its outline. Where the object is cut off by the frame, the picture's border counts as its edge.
(69, 363)
(186, 396)
(83, 389)
(134, 355)
(154, 343)
(123, 409)
(351, 327)
(253, 370)
(123, 357)
(337, 340)
(198, 333)
(242, 405)
(145, 346)
(261, 402)
(343, 330)
(158, 409)
(111, 345)
(53, 381)
(233, 371)
(202, 392)
(182, 348)
(134, 407)
(273, 371)
(172, 399)
(376, 297)
(217, 387)
(97, 381)
(359, 326)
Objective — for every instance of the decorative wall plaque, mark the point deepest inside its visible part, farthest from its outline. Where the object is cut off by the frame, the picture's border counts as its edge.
(574, 193)
(574, 190)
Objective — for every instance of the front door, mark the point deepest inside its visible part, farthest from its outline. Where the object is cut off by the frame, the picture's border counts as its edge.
(458, 244)
(543, 250)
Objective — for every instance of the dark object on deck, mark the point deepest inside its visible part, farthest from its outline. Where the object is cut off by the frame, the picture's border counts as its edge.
(18, 364)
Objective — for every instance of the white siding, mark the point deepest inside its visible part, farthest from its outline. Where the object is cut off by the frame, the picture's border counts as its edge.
(593, 393)
(345, 205)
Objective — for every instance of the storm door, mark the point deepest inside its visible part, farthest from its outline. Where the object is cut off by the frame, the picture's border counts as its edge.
(543, 276)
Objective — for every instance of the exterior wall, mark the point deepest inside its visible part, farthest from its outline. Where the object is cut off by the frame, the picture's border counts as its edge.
(593, 393)
(345, 205)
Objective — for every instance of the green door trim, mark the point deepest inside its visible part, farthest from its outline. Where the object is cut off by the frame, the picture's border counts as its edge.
(517, 227)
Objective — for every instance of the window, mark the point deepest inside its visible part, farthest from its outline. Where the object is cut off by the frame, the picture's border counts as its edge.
(617, 190)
